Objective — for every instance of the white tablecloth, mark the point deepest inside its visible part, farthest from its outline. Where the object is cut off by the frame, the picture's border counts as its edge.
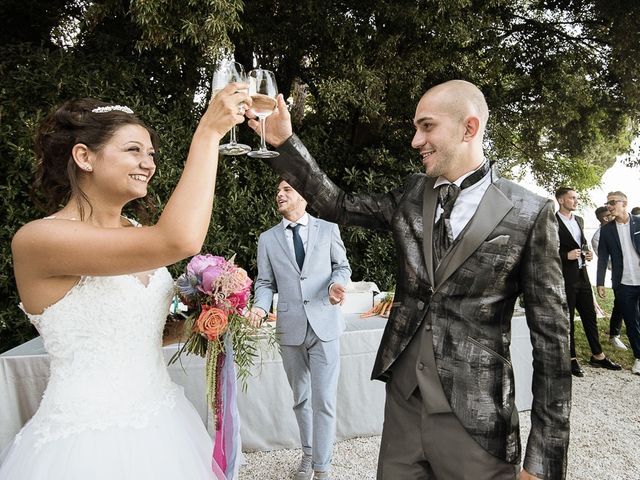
(265, 408)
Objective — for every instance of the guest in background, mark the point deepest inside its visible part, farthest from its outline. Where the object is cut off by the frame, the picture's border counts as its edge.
(304, 261)
(635, 211)
(575, 254)
(620, 243)
(468, 243)
(615, 322)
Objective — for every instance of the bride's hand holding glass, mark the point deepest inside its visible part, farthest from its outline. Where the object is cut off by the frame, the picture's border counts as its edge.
(228, 72)
(226, 109)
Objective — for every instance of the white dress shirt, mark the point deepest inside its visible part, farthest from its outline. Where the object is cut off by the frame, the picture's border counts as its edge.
(467, 202)
(303, 231)
(630, 258)
(572, 224)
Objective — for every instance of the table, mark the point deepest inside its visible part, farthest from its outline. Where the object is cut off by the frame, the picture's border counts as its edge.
(265, 408)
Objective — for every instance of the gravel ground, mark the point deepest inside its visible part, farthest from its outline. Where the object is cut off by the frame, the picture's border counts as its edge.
(605, 437)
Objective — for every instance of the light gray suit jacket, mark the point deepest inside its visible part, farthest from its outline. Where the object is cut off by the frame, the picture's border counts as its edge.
(302, 295)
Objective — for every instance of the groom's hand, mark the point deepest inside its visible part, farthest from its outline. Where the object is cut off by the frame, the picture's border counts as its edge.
(524, 475)
(336, 294)
(256, 316)
(278, 125)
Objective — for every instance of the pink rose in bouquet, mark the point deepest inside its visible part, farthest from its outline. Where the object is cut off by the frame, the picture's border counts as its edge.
(206, 269)
(239, 300)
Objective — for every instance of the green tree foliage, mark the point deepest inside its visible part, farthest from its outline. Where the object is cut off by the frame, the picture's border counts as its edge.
(560, 77)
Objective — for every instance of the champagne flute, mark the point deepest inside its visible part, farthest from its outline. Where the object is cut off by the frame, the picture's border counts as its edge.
(225, 73)
(263, 91)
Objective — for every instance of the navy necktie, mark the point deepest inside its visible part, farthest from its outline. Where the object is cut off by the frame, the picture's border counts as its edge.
(447, 194)
(298, 248)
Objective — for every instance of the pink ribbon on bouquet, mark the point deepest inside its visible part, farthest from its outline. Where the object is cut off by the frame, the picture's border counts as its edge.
(227, 438)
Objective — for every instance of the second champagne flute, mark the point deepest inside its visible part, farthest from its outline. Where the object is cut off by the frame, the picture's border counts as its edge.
(263, 91)
(228, 72)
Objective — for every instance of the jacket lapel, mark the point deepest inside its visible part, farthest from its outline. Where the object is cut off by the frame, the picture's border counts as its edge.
(492, 209)
(282, 240)
(312, 229)
(429, 203)
(614, 234)
(564, 231)
(634, 229)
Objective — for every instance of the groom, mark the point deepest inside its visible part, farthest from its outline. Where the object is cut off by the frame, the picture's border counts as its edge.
(468, 244)
(304, 260)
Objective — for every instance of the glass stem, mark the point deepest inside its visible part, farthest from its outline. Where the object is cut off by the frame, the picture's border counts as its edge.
(263, 143)
(232, 136)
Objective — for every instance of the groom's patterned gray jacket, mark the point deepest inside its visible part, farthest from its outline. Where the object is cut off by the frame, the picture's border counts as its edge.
(510, 247)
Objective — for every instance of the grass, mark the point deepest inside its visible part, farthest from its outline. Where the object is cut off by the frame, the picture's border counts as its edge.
(583, 352)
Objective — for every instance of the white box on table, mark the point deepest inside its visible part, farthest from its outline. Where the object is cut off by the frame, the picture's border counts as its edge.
(359, 297)
(357, 302)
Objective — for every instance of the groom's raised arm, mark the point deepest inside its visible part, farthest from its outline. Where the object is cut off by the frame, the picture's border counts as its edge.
(298, 168)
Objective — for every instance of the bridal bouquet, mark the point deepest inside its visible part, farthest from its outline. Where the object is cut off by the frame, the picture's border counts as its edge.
(216, 291)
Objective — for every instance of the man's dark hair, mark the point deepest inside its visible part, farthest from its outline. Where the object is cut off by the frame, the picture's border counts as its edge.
(635, 211)
(601, 210)
(563, 190)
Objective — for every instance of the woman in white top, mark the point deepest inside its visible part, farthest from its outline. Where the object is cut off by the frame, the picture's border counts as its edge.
(96, 289)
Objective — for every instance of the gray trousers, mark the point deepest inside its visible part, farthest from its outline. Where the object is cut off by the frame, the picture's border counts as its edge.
(421, 437)
(312, 370)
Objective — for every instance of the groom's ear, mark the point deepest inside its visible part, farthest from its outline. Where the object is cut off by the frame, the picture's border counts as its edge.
(471, 128)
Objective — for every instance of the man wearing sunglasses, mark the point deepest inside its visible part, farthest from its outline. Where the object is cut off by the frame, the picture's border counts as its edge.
(615, 321)
(620, 242)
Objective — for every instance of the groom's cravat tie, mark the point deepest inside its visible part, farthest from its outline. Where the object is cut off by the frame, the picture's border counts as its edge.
(298, 247)
(447, 195)
(442, 234)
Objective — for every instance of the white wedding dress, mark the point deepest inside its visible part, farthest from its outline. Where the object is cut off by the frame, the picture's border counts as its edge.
(110, 410)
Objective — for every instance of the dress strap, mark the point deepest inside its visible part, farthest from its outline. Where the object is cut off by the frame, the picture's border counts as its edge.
(131, 221)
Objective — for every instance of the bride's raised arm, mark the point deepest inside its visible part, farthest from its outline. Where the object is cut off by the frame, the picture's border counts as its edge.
(94, 158)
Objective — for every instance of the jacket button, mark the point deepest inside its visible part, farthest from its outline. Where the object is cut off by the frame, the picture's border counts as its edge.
(428, 328)
(420, 305)
(305, 302)
(421, 366)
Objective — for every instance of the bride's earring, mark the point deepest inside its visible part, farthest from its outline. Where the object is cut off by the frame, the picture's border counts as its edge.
(87, 168)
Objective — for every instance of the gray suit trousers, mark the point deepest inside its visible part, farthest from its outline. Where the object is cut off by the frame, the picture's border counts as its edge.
(421, 437)
(312, 370)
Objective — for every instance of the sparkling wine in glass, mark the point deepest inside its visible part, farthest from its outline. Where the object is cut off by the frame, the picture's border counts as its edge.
(227, 72)
(263, 91)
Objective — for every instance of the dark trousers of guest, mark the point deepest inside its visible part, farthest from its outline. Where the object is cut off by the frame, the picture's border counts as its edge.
(580, 298)
(615, 322)
(629, 299)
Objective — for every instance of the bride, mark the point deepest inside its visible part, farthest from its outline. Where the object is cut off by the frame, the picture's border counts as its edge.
(96, 289)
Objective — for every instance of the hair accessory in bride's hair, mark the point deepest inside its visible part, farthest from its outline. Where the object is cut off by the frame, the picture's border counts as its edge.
(111, 108)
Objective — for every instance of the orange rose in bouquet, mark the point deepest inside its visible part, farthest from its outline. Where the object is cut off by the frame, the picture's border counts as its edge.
(212, 322)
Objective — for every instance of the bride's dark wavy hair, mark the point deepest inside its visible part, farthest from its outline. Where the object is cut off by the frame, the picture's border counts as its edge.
(71, 123)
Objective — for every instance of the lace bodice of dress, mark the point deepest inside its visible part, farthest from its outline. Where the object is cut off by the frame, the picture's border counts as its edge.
(104, 339)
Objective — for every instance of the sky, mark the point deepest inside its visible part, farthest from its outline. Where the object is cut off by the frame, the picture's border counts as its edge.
(618, 177)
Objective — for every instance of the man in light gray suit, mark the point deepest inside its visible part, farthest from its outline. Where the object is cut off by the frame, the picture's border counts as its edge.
(303, 259)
